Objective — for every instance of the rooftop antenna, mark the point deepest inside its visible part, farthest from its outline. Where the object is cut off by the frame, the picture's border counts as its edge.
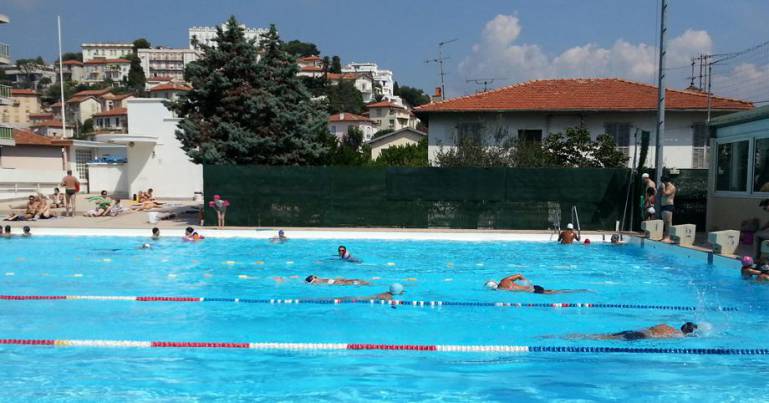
(440, 61)
(484, 81)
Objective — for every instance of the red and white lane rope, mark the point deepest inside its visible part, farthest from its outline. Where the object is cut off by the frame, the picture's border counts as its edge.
(448, 348)
(337, 301)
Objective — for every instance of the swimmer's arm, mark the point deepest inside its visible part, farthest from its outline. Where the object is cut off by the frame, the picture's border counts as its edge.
(752, 272)
(514, 277)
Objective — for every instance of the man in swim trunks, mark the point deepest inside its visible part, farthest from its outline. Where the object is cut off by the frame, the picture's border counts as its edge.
(568, 236)
(71, 187)
(661, 331)
(667, 205)
(509, 284)
(315, 280)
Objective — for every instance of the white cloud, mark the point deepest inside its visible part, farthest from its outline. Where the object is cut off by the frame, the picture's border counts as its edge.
(498, 55)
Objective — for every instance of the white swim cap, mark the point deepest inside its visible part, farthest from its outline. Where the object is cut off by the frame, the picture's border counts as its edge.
(146, 246)
(491, 284)
(396, 289)
(644, 176)
(569, 226)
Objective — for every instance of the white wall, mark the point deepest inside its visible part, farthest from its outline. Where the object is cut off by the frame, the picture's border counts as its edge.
(16, 183)
(110, 177)
(163, 166)
(339, 129)
(677, 142)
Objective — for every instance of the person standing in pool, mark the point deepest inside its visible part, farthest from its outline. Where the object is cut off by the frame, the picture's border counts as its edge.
(661, 331)
(280, 238)
(509, 284)
(345, 255)
(568, 236)
(155, 233)
(315, 280)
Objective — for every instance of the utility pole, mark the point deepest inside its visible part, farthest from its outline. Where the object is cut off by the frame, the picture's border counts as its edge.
(61, 85)
(661, 95)
(440, 61)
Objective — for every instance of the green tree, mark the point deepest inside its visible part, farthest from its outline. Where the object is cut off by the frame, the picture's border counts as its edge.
(300, 49)
(471, 154)
(141, 43)
(241, 111)
(136, 78)
(350, 150)
(45, 82)
(87, 126)
(380, 133)
(344, 97)
(410, 156)
(72, 56)
(575, 148)
(336, 65)
(412, 96)
(52, 93)
(606, 155)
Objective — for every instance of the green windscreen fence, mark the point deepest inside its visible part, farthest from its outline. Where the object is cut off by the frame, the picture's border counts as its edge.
(500, 198)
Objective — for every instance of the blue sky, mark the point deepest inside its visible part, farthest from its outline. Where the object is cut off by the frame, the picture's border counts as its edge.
(510, 40)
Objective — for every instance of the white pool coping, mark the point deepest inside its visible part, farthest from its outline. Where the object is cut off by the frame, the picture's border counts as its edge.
(309, 234)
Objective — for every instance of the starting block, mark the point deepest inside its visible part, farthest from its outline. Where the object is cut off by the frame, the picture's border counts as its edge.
(683, 234)
(652, 229)
(724, 242)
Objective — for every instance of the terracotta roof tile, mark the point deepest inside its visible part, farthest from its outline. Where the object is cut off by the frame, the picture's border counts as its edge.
(41, 115)
(311, 68)
(50, 123)
(344, 76)
(112, 112)
(25, 137)
(578, 94)
(22, 91)
(72, 62)
(92, 92)
(347, 117)
(170, 87)
(311, 58)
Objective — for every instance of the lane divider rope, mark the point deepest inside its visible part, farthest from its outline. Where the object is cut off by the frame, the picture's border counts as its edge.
(383, 347)
(415, 303)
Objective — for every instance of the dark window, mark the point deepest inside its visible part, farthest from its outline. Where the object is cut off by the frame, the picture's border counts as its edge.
(761, 166)
(530, 135)
(732, 169)
(620, 132)
(699, 146)
(469, 133)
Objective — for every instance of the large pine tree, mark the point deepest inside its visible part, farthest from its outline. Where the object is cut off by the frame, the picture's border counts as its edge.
(247, 105)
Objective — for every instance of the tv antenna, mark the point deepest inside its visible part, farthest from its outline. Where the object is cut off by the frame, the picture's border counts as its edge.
(440, 61)
(484, 81)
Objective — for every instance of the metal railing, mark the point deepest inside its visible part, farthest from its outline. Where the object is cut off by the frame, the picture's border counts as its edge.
(5, 91)
(5, 50)
(6, 133)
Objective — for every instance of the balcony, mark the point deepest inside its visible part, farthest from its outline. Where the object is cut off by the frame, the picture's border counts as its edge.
(5, 53)
(5, 95)
(6, 136)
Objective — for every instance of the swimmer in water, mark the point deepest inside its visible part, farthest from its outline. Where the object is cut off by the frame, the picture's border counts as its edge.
(315, 280)
(509, 284)
(395, 289)
(661, 331)
(156, 233)
(188, 233)
(749, 270)
(146, 246)
(345, 255)
(26, 232)
(616, 240)
(568, 236)
(280, 238)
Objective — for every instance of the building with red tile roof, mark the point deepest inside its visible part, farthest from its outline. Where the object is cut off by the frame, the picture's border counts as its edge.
(340, 123)
(620, 108)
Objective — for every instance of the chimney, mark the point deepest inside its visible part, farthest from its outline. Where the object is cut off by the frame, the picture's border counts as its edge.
(438, 95)
(341, 116)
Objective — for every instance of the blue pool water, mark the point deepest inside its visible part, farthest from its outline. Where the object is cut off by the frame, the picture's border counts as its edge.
(430, 270)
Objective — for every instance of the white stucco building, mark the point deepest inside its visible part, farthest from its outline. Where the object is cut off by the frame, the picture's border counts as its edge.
(166, 62)
(113, 50)
(340, 123)
(534, 109)
(382, 78)
(391, 115)
(155, 158)
(206, 35)
(98, 70)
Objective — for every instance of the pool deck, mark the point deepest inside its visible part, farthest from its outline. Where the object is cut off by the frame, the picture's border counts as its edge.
(186, 216)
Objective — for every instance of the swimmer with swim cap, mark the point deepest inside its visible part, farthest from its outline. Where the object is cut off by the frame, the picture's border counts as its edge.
(661, 331)
(395, 289)
(568, 236)
(345, 255)
(749, 270)
(509, 284)
(146, 246)
(315, 280)
(280, 238)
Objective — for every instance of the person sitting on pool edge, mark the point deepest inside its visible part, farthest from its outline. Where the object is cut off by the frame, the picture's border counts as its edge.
(568, 236)
(315, 280)
(509, 284)
(661, 331)
(345, 255)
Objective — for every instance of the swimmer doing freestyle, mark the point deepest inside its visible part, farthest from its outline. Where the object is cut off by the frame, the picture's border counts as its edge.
(315, 280)
(509, 284)
(661, 331)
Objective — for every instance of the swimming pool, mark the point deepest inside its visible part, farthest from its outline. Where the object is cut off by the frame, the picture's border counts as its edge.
(642, 286)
